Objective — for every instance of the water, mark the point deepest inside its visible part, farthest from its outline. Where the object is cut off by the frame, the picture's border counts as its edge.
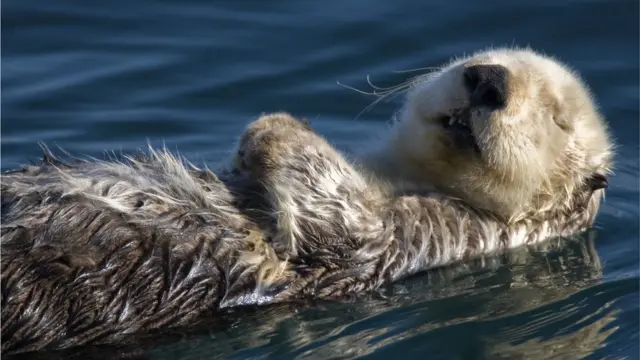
(91, 76)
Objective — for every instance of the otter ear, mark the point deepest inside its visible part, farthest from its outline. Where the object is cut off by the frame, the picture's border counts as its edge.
(563, 124)
(559, 108)
(598, 181)
(561, 118)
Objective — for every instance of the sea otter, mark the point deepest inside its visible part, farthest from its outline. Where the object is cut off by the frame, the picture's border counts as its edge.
(497, 150)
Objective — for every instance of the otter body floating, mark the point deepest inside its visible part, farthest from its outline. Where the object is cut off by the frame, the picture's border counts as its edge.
(495, 151)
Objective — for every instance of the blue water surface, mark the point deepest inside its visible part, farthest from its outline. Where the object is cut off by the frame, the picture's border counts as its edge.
(111, 75)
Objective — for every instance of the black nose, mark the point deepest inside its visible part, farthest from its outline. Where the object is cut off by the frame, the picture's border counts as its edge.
(487, 85)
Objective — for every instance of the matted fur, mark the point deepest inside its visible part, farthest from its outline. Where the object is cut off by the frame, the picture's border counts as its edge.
(328, 211)
(95, 250)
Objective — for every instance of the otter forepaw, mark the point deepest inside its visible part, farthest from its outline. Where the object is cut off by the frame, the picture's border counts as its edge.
(266, 140)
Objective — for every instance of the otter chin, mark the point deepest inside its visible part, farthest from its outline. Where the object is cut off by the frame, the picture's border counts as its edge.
(506, 130)
(505, 148)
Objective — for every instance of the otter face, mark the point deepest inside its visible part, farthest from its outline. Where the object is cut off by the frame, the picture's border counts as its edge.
(509, 131)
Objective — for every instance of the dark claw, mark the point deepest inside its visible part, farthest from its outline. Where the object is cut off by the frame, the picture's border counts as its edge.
(598, 181)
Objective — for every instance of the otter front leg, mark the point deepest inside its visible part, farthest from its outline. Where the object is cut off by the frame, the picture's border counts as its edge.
(318, 200)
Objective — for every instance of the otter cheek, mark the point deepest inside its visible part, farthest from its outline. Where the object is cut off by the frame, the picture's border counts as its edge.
(558, 141)
(550, 142)
(511, 155)
(517, 142)
(419, 137)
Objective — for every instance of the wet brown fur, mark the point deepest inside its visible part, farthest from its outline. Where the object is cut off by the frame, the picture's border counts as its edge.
(95, 250)
(78, 269)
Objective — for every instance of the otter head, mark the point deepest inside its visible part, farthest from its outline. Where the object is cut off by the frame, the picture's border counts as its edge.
(509, 131)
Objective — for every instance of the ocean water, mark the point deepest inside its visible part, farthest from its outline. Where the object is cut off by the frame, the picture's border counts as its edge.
(112, 75)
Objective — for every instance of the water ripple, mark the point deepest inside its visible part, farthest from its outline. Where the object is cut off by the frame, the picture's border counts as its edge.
(114, 75)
